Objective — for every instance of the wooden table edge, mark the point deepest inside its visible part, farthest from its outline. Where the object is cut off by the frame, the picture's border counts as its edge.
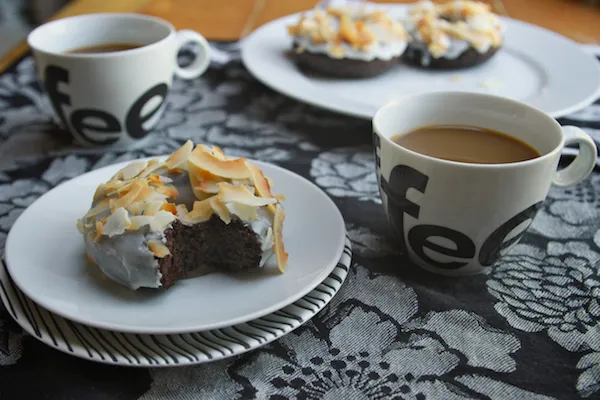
(73, 8)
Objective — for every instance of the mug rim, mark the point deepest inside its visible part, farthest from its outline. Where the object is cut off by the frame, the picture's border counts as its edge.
(450, 94)
(32, 36)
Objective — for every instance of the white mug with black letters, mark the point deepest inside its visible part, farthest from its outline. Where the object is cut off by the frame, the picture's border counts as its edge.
(114, 98)
(457, 218)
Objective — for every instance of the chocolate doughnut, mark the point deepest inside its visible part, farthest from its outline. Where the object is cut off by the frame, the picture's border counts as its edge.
(347, 42)
(155, 222)
(454, 35)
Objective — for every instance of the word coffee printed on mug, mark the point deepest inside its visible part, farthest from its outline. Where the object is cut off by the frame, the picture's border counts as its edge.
(403, 178)
(99, 126)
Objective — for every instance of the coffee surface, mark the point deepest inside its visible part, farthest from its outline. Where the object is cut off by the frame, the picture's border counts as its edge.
(104, 48)
(467, 144)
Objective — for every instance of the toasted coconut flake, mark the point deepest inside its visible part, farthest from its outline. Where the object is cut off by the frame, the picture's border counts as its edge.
(179, 158)
(152, 167)
(133, 169)
(218, 152)
(201, 211)
(182, 210)
(263, 188)
(104, 188)
(117, 223)
(136, 208)
(144, 195)
(220, 209)
(214, 150)
(202, 181)
(139, 221)
(229, 193)
(119, 190)
(169, 191)
(165, 179)
(136, 188)
(161, 221)
(280, 254)
(244, 212)
(210, 187)
(156, 196)
(153, 207)
(158, 249)
(156, 180)
(176, 171)
(99, 230)
(195, 182)
(169, 207)
(232, 169)
(97, 209)
(280, 197)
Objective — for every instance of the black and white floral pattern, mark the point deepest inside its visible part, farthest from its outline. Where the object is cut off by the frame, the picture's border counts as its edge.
(529, 330)
(556, 291)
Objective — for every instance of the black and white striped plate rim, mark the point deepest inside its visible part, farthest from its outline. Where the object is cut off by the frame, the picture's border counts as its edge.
(143, 350)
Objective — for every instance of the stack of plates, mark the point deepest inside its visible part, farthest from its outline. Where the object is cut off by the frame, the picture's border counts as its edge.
(56, 295)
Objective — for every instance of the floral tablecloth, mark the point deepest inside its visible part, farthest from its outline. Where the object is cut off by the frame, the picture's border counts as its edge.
(528, 330)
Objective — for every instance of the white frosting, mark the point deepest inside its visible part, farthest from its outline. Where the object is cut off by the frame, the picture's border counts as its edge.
(477, 28)
(380, 50)
(389, 43)
(126, 258)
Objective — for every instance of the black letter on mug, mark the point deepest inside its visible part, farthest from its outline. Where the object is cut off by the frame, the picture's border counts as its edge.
(53, 76)
(402, 178)
(111, 125)
(134, 121)
(418, 239)
(495, 243)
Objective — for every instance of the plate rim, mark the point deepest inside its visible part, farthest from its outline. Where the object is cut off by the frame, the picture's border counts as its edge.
(330, 103)
(190, 328)
(56, 338)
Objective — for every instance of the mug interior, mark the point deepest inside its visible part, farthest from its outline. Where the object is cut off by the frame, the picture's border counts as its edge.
(518, 120)
(71, 33)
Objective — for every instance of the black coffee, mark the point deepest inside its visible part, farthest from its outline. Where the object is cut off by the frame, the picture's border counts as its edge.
(104, 48)
(469, 144)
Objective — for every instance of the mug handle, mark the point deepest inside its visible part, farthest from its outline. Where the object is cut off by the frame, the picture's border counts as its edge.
(583, 163)
(202, 60)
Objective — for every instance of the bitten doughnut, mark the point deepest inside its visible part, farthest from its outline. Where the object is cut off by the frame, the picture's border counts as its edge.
(155, 221)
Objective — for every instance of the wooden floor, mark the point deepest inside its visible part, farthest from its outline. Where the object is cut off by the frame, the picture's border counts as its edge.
(233, 19)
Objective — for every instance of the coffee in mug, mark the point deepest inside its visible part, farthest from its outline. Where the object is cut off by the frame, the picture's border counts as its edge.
(468, 144)
(104, 48)
(107, 75)
(458, 217)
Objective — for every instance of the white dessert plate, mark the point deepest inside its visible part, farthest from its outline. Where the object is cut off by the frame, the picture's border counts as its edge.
(46, 258)
(535, 66)
(139, 350)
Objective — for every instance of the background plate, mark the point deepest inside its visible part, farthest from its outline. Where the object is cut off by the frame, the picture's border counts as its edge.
(533, 66)
(46, 259)
(136, 350)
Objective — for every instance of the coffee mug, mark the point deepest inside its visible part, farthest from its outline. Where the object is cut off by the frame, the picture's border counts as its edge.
(111, 98)
(456, 218)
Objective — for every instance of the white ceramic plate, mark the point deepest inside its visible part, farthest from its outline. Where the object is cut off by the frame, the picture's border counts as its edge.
(46, 258)
(137, 350)
(535, 66)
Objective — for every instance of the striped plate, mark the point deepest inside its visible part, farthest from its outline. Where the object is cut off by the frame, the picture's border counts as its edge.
(141, 350)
